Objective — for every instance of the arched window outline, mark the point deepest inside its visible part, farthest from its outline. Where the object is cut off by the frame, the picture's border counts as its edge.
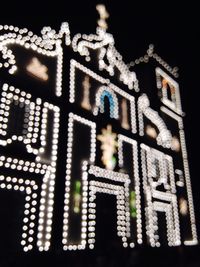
(113, 101)
(164, 83)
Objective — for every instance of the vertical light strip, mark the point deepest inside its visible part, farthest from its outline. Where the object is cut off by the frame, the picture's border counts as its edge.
(194, 240)
(121, 197)
(92, 125)
(59, 68)
(48, 185)
(136, 179)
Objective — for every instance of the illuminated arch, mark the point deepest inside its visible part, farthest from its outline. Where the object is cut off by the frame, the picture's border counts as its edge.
(120, 191)
(113, 101)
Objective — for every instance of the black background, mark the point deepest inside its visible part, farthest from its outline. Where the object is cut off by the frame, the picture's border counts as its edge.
(174, 30)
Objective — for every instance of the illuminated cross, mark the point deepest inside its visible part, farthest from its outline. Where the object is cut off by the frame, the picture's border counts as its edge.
(109, 144)
(103, 16)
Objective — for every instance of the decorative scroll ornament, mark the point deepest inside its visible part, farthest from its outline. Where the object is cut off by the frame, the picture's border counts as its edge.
(164, 137)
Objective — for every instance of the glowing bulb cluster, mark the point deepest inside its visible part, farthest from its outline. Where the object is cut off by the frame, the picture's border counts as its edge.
(30, 188)
(83, 43)
(154, 197)
(164, 80)
(75, 118)
(36, 114)
(164, 137)
(49, 45)
(109, 88)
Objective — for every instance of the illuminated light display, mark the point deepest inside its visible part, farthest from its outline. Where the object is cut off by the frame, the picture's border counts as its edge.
(133, 209)
(175, 145)
(86, 102)
(170, 95)
(183, 206)
(37, 69)
(77, 196)
(158, 172)
(164, 136)
(114, 141)
(151, 131)
(103, 16)
(125, 123)
(108, 147)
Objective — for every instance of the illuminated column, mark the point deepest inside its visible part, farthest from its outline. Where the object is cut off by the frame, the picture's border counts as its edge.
(48, 155)
(81, 137)
(102, 88)
(38, 70)
(128, 162)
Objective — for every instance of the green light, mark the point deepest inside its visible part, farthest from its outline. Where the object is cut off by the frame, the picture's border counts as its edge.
(77, 197)
(133, 204)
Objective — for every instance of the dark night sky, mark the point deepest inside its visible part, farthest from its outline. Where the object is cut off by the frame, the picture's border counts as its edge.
(174, 30)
